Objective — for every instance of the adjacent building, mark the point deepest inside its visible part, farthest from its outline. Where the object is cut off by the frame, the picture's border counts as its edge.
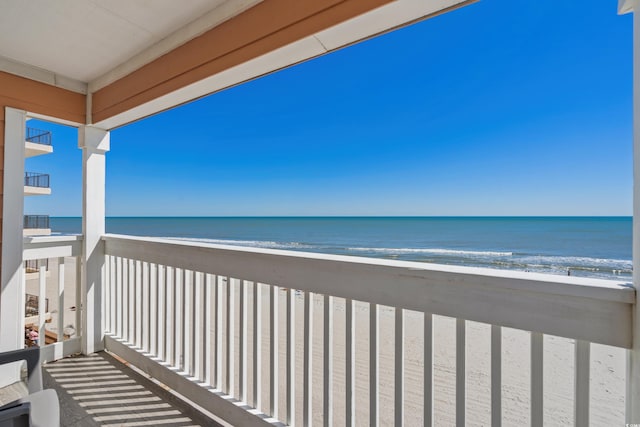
(37, 143)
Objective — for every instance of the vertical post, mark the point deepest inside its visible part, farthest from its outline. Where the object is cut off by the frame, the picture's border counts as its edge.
(42, 298)
(60, 299)
(94, 143)
(257, 344)
(12, 292)
(350, 368)
(291, 357)
(399, 368)
(273, 347)
(307, 382)
(374, 351)
(328, 361)
(633, 363)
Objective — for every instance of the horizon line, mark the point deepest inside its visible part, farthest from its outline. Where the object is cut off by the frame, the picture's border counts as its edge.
(352, 216)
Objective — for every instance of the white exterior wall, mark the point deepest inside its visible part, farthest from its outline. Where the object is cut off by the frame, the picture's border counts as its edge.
(12, 296)
(633, 367)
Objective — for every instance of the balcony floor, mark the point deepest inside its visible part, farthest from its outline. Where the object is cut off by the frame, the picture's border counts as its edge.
(100, 390)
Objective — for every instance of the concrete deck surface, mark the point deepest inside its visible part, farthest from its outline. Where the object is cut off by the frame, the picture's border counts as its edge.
(100, 390)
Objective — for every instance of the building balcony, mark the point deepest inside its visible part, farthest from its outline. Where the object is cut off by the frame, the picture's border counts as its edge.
(37, 142)
(35, 225)
(264, 337)
(36, 184)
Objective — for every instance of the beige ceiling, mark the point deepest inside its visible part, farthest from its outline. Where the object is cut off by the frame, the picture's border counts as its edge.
(107, 48)
(84, 39)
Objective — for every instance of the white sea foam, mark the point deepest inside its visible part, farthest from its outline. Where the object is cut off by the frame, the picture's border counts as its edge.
(577, 261)
(250, 243)
(503, 259)
(433, 251)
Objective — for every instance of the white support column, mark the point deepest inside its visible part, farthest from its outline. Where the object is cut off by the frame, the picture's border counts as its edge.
(12, 295)
(633, 366)
(94, 143)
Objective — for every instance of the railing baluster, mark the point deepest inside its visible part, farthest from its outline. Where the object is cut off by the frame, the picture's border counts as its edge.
(218, 334)
(461, 392)
(242, 344)
(61, 300)
(273, 346)
(162, 312)
(153, 309)
(78, 325)
(496, 376)
(399, 367)
(179, 316)
(126, 284)
(144, 341)
(374, 415)
(196, 324)
(119, 304)
(208, 343)
(307, 410)
(138, 304)
(230, 374)
(350, 364)
(108, 302)
(131, 302)
(428, 370)
(257, 344)
(581, 384)
(42, 295)
(328, 361)
(187, 323)
(170, 356)
(199, 327)
(112, 286)
(291, 358)
(537, 359)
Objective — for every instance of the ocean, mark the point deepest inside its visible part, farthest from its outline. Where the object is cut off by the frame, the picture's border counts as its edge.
(581, 246)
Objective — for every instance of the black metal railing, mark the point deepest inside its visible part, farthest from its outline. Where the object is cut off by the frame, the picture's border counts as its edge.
(38, 136)
(36, 221)
(33, 179)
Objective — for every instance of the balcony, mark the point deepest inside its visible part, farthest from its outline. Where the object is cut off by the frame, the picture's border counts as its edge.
(37, 142)
(34, 225)
(260, 336)
(36, 184)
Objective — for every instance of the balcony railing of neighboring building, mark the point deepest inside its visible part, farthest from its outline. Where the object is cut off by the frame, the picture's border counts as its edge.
(33, 265)
(36, 221)
(32, 304)
(64, 253)
(33, 179)
(38, 136)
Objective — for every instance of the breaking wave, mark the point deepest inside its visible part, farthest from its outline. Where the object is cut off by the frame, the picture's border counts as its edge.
(433, 251)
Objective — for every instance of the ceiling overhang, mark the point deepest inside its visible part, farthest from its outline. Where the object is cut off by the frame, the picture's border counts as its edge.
(626, 6)
(212, 46)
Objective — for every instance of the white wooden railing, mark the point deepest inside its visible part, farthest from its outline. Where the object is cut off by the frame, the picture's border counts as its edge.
(63, 286)
(226, 326)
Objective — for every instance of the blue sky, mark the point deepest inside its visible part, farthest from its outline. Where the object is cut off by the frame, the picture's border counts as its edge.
(499, 108)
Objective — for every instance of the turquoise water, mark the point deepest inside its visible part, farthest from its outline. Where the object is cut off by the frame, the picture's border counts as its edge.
(587, 246)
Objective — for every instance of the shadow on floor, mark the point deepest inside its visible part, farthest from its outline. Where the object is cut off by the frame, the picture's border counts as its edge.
(99, 390)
